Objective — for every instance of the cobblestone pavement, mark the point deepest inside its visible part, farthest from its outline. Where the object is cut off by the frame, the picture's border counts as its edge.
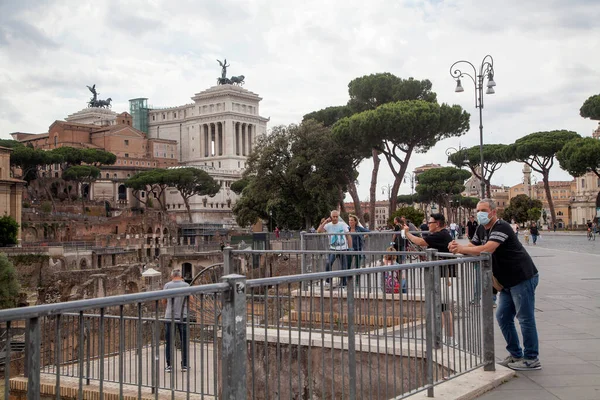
(577, 243)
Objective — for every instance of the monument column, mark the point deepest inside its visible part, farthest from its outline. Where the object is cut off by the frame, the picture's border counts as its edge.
(243, 139)
(250, 126)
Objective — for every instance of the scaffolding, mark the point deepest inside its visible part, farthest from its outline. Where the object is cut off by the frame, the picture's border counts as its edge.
(138, 108)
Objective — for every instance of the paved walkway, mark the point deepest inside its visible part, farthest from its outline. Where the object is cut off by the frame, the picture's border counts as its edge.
(568, 318)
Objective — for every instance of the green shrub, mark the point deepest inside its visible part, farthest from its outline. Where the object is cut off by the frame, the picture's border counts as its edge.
(9, 283)
(9, 229)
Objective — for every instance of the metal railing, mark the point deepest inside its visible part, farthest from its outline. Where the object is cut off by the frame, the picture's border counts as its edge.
(375, 331)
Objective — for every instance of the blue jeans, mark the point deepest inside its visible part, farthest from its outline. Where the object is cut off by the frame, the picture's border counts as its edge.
(534, 237)
(519, 301)
(181, 328)
(331, 259)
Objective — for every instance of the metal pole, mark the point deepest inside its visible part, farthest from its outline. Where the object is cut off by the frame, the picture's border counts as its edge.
(351, 339)
(233, 359)
(429, 320)
(487, 314)
(227, 258)
(480, 106)
(32, 356)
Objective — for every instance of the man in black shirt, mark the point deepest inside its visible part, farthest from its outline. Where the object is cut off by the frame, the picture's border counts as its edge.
(439, 238)
(471, 227)
(514, 269)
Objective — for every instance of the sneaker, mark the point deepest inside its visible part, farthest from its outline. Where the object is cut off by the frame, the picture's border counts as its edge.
(185, 369)
(508, 360)
(526, 365)
(168, 369)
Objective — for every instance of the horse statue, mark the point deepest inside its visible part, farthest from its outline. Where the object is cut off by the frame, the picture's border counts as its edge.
(223, 81)
(104, 103)
(237, 80)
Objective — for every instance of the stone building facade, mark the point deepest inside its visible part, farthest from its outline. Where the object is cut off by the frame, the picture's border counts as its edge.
(135, 153)
(216, 133)
(10, 190)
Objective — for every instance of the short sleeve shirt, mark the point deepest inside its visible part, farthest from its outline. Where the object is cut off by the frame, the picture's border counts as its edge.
(511, 263)
(440, 241)
(337, 237)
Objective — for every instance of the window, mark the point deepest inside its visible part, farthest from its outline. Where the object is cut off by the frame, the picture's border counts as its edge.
(55, 141)
(164, 116)
(174, 115)
(107, 176)
(126, 142)
(115, 176)
(143, 195)
(172, 154)
(219, 164)
(126, 155)
(583, 182)
(153, 117)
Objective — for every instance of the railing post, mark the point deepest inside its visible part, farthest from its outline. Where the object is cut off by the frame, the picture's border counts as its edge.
(303, 259)
(227, 260)
(32, 357)
(487, 315)
(437, 304)
(429, 319)
(234, 359)
(351, 338)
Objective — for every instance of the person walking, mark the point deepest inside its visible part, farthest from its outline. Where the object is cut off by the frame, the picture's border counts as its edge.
(439, 238)
(176, 311)
(471, 227)
(339, 242)
(516, 278)
(533, 231)
(453, 228)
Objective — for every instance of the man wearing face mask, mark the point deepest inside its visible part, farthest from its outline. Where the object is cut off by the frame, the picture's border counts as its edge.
(518, 278)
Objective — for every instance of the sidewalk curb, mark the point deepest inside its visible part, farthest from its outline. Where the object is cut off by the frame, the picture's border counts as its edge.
(469, 386)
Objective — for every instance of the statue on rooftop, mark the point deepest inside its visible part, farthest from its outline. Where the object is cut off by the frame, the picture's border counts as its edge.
(224, 80)
(94, 102)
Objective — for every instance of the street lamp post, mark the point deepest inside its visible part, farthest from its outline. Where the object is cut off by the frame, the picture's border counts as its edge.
(486, 71)
(453, 150)
(411, 177)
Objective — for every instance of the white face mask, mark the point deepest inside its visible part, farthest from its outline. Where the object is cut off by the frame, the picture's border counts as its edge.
(483, 218)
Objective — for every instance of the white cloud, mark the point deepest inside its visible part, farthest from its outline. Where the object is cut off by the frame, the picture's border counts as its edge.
(300, 57)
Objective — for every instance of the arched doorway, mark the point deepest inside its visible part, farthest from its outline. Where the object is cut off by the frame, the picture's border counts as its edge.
(85, 192)
(186, 272)
(122, 192)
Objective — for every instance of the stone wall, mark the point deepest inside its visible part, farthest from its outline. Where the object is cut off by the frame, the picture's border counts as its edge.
(311, 369)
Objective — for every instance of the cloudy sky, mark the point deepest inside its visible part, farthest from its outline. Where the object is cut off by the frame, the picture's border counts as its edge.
(300, 56)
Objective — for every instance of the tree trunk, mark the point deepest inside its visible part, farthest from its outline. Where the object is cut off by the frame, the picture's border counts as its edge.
(82, 203)
(307, 222)
(357, 206)
(341, 199)
(398, 179)
(545, 174)
(373, 189)
(187, 206)
(50, 197)
(488, 189)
